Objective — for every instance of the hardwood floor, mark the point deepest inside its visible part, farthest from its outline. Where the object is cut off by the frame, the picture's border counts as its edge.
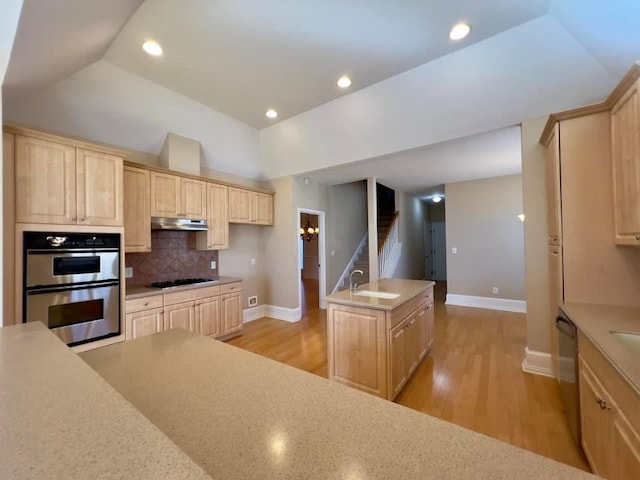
(472, 377)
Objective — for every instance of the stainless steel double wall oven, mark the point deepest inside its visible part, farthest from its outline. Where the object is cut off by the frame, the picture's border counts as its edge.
(72, 284)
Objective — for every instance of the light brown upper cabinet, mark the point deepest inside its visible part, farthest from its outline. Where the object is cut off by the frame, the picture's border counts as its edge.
(217, 235)
(251, 207)
(625, 146)
(175, 196)
(61, 184)
(137, 215)
(552, 159)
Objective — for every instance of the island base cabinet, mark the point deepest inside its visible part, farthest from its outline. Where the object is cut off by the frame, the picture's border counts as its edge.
(377, 351)
(357, 348)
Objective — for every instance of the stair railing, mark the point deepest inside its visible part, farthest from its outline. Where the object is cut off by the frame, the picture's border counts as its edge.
(387, 245)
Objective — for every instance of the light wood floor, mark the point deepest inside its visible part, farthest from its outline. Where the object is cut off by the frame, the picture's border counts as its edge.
(472, 377)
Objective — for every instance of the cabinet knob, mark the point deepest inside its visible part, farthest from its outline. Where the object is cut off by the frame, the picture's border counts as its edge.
(147, 303)
(74, 218)
(638, 236)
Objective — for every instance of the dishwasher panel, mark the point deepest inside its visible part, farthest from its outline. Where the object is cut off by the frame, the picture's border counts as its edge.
(568, 372)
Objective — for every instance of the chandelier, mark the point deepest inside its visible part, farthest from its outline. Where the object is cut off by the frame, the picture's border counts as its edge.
(308, 232)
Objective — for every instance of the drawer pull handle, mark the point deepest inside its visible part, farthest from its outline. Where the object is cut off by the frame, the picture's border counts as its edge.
(147, 303)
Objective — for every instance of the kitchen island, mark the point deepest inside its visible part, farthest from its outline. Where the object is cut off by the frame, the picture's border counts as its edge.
(378, 334)
(239, 415)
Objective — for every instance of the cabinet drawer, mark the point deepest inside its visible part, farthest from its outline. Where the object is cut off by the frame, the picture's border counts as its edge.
(231, 288)
(407, 308)
(143, 303)
(623, 394)
(191, 294)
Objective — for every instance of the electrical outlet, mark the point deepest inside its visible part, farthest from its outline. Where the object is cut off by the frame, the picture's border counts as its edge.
(213, 264)
(253, 301)
(128, 272)
(496, 290)
(454, 251)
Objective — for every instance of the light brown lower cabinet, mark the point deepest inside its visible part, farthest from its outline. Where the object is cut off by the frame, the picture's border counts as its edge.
(377, 351)
(609, 416)
(212, 311)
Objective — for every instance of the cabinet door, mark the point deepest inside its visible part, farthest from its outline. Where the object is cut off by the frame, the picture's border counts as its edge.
(217, 235)
(431, 325)
(45, 182)
(552, 160)
(625, 144)
(165, 195)
(194, 198)
(422, 331)
(181, 315)
(99, 188)
(412, 343)
(239, 205)
(626, 445)
(231, 313)
(137, 210)
(262, 208)
(146, 322)
(208, 317)
(595, 422)
(555, 299)
(397, 342)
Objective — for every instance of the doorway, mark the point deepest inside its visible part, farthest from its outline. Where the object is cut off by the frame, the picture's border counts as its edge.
(435, 243)
(311, 260)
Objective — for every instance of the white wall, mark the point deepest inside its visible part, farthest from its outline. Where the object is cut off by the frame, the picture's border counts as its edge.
(466, 92)
(482, 223)
(105, 103)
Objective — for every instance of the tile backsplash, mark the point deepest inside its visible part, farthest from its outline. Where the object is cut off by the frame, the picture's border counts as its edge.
(173, 255)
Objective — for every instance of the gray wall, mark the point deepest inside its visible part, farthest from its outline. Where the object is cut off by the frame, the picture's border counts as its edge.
(482, 223)
(534, 193)
(411, 234)
(347, 219)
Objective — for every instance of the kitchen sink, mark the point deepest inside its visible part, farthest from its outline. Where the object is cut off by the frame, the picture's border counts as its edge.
(371, 293)
(630, 340)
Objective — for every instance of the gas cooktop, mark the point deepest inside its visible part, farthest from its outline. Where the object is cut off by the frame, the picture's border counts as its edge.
(180, 282)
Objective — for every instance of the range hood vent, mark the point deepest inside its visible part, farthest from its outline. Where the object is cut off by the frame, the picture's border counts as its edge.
(162, 223)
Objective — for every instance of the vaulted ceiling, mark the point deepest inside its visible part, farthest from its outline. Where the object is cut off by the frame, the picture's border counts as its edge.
(411, 83)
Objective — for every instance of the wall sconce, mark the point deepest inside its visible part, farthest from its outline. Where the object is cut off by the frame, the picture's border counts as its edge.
(521, 217)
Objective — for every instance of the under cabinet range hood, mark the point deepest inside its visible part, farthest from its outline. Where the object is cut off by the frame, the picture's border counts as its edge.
(165, 223)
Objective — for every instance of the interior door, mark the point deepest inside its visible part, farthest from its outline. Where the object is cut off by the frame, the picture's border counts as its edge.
(428, 247)
(439, 251)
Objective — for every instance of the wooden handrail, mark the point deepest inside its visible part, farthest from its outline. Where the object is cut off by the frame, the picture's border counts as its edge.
(396, 214)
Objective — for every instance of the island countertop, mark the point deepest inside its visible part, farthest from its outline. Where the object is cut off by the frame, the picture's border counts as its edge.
(407, 289)
(239, 415)
(60, 420)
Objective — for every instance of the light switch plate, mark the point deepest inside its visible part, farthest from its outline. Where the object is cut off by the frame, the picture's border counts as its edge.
(213, 264)
(253, 261)
(496, 290)
(454, 251)
(128, 272)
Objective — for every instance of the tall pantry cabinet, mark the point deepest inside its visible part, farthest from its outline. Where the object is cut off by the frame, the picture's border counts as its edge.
(582, 251)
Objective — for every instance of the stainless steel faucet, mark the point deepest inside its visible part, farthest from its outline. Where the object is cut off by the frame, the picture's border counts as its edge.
(354, 286)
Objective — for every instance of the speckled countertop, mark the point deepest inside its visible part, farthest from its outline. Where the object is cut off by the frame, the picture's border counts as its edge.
(242, 416)
(406, 288)
(60, 420)
(138, 292)
(596, 321)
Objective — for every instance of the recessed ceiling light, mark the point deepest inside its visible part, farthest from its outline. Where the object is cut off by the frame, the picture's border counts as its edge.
(344, 82)
(459, 31)
(271, 113)
(153, 48)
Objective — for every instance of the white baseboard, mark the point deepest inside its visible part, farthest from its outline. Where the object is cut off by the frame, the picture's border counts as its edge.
(504, 304)
(282, 313)
(538, 363)
(253, 313)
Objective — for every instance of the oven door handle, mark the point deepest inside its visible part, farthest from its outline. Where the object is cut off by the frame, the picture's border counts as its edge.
(68, 288)
(566, 327)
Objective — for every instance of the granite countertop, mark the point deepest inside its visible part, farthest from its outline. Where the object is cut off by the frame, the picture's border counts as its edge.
(246, 416)
(596, 321)
(139, 292)
(60, 420)
(406, 288)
